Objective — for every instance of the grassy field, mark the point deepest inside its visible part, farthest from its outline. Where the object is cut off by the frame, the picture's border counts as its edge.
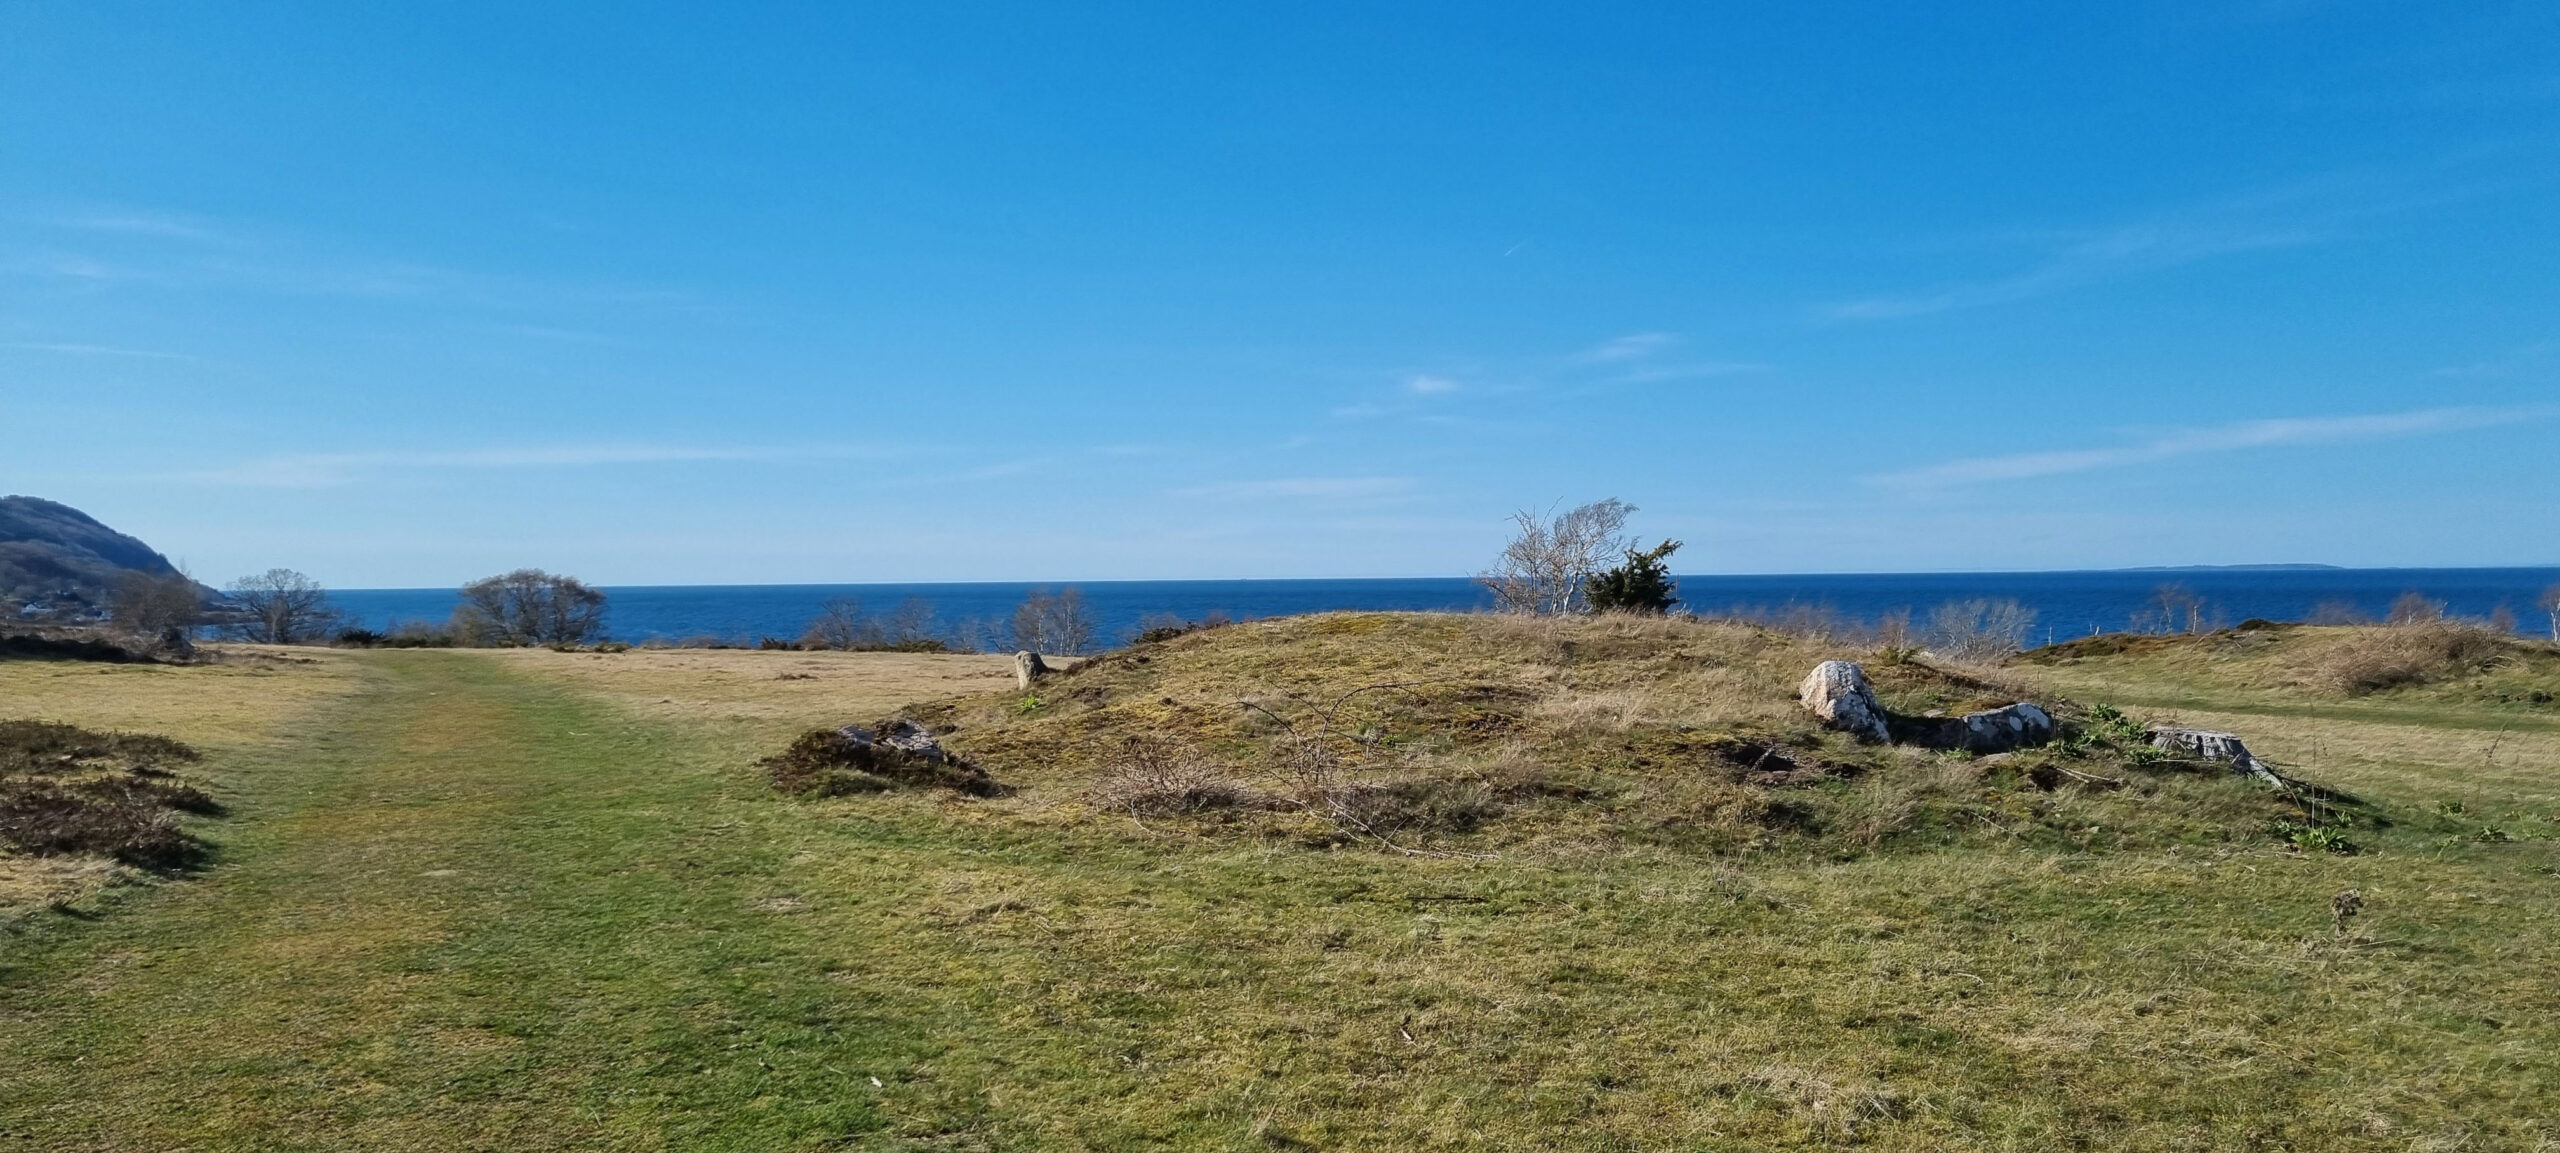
(546, 901)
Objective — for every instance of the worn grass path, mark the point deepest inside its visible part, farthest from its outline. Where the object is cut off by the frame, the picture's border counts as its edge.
(474, 907)
(451, 914)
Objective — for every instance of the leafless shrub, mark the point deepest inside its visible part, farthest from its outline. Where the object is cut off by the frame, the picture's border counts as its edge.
(1979, 631)
(1548, 564)
(842, 625)
(2414, 608)
(1155, 777)
(2174, 608)
(2549, 602)
(1057, 624)
(1893, 632)
(1312, 773)
(2335, 612)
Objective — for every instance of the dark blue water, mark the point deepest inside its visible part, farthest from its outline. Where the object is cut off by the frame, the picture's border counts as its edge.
(2067, 604)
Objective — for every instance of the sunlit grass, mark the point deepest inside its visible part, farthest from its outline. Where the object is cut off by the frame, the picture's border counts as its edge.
(505, 902)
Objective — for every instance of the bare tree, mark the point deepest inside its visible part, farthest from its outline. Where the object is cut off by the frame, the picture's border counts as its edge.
(1031, 622)
(2177, 608)
(2549, 602)
(531, 607)
(840, 625)
(1979, 630)
(1070, 622)
(911, 624)
(282, 606)
(1057, 624)
(1545, 568)
(154, 603)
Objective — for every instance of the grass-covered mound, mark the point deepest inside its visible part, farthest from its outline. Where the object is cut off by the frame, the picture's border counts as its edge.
(2447, 660)
(67, 791)
(839, 762)
(1486, 733)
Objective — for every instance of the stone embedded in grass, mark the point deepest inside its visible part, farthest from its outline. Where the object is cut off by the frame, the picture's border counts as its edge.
(895, 754)
(2209, 745)
(2004, 729)
(1838, 694)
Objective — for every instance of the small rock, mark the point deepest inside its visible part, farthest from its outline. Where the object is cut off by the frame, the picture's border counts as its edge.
(1837, 692)
(1028, 667)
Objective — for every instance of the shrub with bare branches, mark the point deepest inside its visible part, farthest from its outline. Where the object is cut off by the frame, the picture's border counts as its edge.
(1056, 624)
(1157, 777)
(1548, 566)
(1979, 631)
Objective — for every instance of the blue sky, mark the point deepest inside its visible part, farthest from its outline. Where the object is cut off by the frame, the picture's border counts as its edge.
(403, 295)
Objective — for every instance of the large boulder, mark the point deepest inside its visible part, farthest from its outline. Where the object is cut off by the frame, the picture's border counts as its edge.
(1838, 693)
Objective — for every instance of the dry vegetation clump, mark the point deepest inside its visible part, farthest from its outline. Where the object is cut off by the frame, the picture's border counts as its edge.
(840, 762)
(2429, 656)
(68, 791)
(1419, 732)
(2379, 658)
(1154, 777)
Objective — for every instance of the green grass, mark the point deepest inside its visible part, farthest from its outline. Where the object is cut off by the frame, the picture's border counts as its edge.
(471, 907)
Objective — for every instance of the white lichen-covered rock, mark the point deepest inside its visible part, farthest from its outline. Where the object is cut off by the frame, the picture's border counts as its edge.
(1028, 667)
(902, 734)
(2210, 745)
(1837, 692)
(2002, 729)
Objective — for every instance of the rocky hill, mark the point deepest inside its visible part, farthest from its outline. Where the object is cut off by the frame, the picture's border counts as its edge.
(57, 562)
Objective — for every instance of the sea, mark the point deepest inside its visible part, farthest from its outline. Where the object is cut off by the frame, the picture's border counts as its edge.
(2066, 604)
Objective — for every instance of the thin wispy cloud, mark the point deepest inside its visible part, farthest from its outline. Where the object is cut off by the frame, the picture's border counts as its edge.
(2311, 211)
(91, 350)
(2248, 435)
(2085, 260)
(140, 223)
(1309, 488)
(169, 251)
(320, 470)
(1427, 385)
(1633, 346)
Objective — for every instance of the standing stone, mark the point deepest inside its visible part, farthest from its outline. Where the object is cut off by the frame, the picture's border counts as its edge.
(1838, 693)
(1028, 667)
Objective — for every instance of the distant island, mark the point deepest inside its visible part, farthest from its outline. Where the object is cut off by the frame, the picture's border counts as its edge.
(2232, 568)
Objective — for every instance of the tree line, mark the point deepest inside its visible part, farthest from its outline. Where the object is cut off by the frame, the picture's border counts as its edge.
(531, 607)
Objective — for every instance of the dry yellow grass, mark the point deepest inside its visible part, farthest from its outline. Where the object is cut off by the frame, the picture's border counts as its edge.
(251, 697)
(758, 688)
(585, 923)
(245, 697)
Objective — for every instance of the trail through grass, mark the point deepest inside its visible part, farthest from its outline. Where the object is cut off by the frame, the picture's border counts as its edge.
(476, 908)
(492, 917)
